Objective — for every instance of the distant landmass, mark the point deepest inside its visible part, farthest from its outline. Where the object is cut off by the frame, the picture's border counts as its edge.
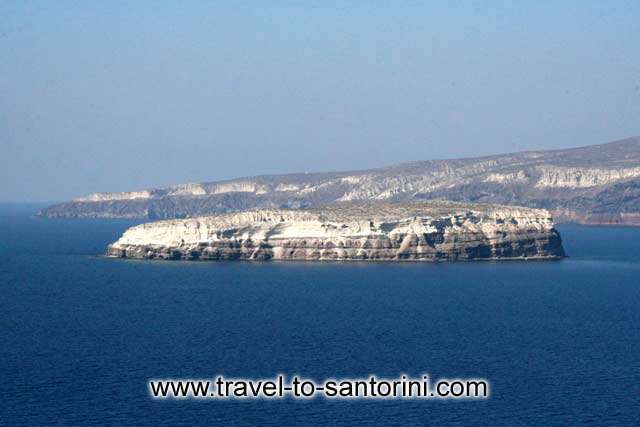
(351, 231)
(598, 184)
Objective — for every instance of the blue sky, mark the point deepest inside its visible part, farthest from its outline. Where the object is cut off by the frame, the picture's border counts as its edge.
(111, 96)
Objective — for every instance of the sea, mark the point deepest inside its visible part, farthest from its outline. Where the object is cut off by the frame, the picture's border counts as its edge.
(81, 335)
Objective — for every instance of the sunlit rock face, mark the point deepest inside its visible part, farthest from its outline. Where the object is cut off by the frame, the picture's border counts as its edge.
(594, 184)
(423, 231)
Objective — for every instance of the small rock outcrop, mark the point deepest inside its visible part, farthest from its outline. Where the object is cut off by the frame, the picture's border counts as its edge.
(422, 231)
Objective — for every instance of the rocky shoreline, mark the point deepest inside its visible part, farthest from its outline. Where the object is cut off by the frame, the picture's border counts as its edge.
(423, 231)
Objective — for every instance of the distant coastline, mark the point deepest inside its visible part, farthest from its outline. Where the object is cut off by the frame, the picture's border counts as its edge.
(598, 184)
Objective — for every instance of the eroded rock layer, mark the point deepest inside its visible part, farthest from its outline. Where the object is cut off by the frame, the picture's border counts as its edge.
(423, 231)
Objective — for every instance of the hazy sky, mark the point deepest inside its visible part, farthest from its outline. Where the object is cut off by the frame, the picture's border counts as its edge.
(107, 96)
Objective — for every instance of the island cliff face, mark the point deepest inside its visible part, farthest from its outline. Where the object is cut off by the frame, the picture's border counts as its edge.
(426, 231)
(598, 184)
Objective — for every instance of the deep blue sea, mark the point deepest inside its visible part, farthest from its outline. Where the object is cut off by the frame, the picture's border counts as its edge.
(80, 335)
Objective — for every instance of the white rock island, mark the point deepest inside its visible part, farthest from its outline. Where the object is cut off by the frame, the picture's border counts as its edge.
(422, 231)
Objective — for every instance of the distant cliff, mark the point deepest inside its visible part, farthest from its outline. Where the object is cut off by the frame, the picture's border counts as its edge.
(418, 231)
(594, 184)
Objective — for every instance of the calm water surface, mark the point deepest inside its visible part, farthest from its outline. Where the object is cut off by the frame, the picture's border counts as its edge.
(80, 335)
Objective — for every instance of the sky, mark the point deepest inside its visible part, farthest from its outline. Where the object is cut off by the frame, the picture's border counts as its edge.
(117, 96)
